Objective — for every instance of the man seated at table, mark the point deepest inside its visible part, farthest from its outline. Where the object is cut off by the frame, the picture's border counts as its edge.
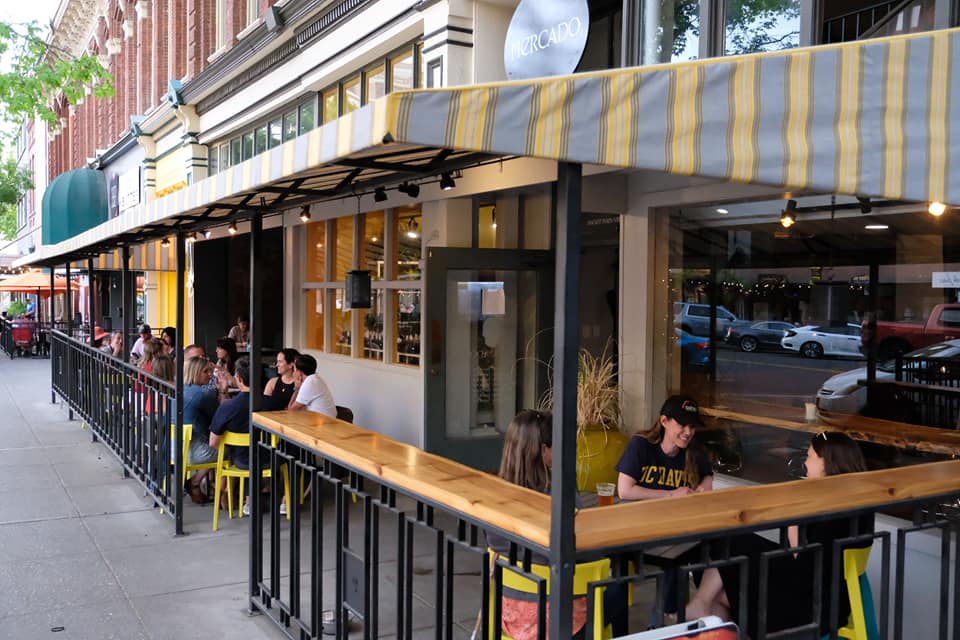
(311, 393)
(146, 335)
(194, 351)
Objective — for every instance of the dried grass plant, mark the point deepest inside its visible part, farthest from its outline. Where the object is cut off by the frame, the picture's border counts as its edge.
(598, 396)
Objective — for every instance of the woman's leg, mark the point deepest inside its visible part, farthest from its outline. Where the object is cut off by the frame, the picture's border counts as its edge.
(710, 599)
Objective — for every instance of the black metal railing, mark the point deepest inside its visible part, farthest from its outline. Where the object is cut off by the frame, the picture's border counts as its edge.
(127, 409)
(392, 550)
(853, 25)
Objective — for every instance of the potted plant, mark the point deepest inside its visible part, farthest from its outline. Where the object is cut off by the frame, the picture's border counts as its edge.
(600, 442)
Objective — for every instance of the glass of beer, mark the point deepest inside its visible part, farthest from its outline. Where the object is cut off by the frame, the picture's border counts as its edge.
(605, 491)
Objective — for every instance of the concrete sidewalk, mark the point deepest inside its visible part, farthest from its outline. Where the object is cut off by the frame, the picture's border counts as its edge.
(84, 555)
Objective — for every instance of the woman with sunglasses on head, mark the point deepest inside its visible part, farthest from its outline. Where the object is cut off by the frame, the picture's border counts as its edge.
(526, 461)
(790, 581)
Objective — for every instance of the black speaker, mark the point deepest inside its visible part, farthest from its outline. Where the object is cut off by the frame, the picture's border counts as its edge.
(358, 289)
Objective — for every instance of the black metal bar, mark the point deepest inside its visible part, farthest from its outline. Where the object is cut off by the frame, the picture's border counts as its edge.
(565, 353)
(178, 460)
(255, 329)
(53, 318)
(90, 299)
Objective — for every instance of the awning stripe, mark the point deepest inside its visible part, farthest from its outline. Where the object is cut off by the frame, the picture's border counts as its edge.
(870, 118)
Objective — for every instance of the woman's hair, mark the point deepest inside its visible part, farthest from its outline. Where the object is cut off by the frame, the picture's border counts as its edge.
(151, 349)
(192, 369)
(654, 435)
(229, 345)
(839, 452)
(522, 462)
(163, 368)
(289, 355)
(172, 332)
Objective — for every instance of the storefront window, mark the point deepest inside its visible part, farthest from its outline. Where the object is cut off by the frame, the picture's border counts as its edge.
(331, 105)
(247, 146)
(224, 156)
(351, 95)
(316, 253)
(409, 243)
(314, 332)
(775, 322)
(408, 327)
(236, 151)
(308, 117)
(376, 83)
(343, 259)
(373, 327)
(276, 132)
(260, 140)
(289, 126)
(341, 323)
(401, 73)
(752, 27)
(671, 31)
(373, 245)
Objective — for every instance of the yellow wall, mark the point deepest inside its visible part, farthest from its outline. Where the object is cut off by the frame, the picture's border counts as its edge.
(161, 311)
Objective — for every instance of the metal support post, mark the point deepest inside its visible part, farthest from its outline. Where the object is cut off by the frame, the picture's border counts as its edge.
(53, 317)
(68, 316)
(256, 339)
(178, 460)
(125, 311)
(565, 353)
(873, 298)
(90, 298)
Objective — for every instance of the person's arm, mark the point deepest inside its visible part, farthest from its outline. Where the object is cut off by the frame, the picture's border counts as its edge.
(271, 383)
(628, 489)
(218, 426)
(705, 485)
(302, 395)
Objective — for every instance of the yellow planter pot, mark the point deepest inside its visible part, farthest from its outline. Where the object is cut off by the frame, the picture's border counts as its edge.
(598, 451)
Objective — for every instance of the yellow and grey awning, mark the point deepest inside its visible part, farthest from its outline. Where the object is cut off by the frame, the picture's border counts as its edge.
(877, 118)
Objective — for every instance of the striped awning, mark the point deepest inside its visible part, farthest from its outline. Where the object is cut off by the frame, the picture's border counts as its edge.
(878, 118)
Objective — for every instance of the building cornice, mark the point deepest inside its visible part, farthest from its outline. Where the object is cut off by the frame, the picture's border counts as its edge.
(73, 27)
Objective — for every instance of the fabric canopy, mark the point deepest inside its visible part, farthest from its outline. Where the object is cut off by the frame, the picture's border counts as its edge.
(877, 118)
(35, 282)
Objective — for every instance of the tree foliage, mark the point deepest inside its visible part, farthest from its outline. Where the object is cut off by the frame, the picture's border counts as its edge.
(36, 73)
(751, 25)
(14, 182)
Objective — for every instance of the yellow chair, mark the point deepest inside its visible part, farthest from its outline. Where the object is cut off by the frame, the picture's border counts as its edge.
(862, 624)
(187, 437)
(585, 573)
(227, 470)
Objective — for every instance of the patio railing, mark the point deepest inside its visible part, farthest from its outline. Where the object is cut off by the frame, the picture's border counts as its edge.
(396, 529)
(129, 410)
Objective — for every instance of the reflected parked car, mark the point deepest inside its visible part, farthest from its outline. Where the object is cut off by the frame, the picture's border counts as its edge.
(843, 393)
(750, 335)
(694, 350)
(816, 342)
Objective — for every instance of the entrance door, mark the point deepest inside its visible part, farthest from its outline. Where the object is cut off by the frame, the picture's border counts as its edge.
(487, 347)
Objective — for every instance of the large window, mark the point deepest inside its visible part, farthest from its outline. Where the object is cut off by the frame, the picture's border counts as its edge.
(779, 322)
(389, 331)
(752, 27)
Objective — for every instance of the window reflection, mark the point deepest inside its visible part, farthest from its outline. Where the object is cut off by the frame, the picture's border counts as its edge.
(374, 244)
(752, 27)
(671, 31)
(341, 324)
(409, 243)
(408, 326)
(373, 327)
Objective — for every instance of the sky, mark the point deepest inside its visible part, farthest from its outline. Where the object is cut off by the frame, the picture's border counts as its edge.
(24, 11)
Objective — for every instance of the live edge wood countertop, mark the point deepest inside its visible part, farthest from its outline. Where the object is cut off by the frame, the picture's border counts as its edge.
(526, 513)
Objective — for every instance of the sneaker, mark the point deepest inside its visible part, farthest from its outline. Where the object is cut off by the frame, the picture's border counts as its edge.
(283, 507)
(246, 508)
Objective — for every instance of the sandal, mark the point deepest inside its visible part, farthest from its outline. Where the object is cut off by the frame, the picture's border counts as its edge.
(197, 495)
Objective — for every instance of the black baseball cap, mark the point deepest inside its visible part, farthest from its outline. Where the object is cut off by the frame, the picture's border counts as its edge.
(145, 328)
(683, 409)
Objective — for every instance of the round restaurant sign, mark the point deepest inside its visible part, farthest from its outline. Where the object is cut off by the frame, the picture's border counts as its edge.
(546, 38)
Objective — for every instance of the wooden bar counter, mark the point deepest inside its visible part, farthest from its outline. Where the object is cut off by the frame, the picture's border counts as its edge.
(526, 513)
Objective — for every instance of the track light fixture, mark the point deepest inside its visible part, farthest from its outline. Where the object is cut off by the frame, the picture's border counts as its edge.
(412, 189)
(380, 194)
(412, 229)
(865, 205)
(493, 218)
(937, 209)
(788, 216)
(305, 213)
(232, 228)
(446, 181)
(165, 242)
(207, 233)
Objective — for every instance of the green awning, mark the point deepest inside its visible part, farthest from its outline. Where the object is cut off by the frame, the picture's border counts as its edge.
(74, 202)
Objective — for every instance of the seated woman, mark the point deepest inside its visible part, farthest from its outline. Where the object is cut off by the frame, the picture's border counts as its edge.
(279, 390)
(199, 405)
(789, 595)
(661, 463)
(240, 333)
(526, 461)
(169, 338)
(226, 354)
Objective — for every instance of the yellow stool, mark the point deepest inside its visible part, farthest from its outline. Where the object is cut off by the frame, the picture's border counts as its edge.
(584, 574)
(862, 624)
(187, 437)
(227, 470)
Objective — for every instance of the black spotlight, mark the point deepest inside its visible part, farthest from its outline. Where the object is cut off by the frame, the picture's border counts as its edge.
(865, 205)
(788, 216)
(446, 181)
(412, 189)
(380, 194)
